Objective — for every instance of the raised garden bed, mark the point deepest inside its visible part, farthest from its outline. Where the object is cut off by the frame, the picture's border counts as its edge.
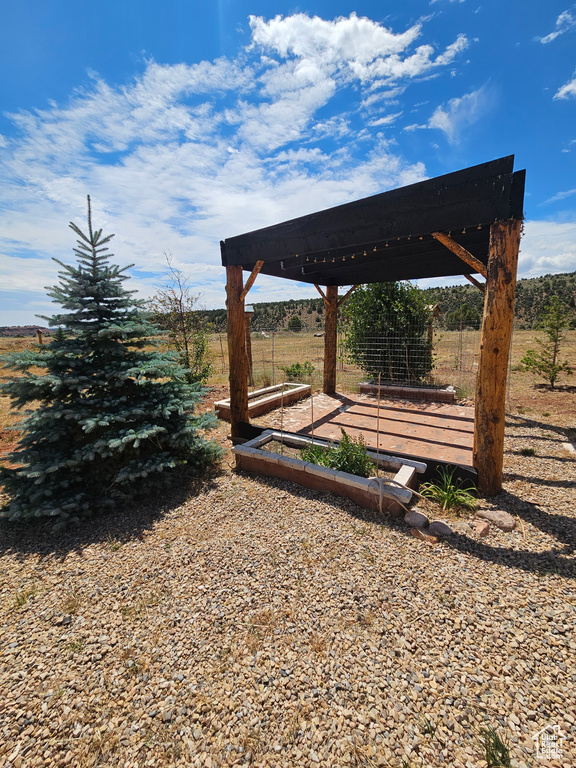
(391, 493)
(263, 400)
(428, 394)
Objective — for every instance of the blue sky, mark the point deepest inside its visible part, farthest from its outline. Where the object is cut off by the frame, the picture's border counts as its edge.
(189, 121)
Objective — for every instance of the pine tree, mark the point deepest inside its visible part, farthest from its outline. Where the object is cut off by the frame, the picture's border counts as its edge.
(554, 322)
(113, 417)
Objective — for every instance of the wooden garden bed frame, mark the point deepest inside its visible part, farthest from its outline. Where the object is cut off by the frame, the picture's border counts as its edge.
(465, 223)
(267, 399)
(391, 498)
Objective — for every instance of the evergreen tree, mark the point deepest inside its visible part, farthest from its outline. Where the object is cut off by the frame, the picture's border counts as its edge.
(386, 332)
(554, 322)
(112, 417)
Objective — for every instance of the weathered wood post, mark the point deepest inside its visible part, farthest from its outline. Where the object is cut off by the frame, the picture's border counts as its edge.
(490, 403)
(236, 348)
(248, 316)
(330, 338)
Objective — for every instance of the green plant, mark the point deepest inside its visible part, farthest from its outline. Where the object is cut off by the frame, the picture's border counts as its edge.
(545, 362)
(496, 751)
(527, 452)
(450, 493)
(428, 726)
(348, 455)
(295, 324)
(298, 371)
(386, 331)
(22, 597)
(113, 419)
(174, 310)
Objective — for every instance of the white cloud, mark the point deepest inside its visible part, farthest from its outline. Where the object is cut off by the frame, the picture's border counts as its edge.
(354, 48)
(185, 155)
(565, 21)
(460, 113)
(567, 90)
(560, 196)
(547, 247)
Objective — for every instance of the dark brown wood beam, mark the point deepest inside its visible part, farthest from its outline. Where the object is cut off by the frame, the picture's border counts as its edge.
(236, 349)
(490, 401)
(330, 339)
(348, 293)
(250, 282)
(461, 252)
(475, 282)
(321, 292)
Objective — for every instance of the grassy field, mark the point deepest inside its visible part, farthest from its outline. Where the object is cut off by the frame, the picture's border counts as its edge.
(456, 360)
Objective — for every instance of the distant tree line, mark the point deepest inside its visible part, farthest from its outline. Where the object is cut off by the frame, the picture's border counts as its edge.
(460, 306)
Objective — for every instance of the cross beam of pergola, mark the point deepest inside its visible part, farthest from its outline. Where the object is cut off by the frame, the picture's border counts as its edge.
(464, 223)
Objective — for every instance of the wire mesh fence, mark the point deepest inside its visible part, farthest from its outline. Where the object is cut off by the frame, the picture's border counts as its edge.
(278, 356)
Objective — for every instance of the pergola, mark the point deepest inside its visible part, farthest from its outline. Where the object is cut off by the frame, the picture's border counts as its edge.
(464, 223)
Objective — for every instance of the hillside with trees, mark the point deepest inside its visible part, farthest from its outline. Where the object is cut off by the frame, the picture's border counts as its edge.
(459, 304)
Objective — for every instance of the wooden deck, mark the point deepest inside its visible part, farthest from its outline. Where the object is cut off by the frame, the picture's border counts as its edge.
(436, 433)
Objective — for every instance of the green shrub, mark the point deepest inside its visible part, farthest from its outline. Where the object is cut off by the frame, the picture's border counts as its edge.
(298, 371)
(348, 456)
(450, 493)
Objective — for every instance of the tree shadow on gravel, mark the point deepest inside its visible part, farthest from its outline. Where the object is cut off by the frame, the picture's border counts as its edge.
(562, 528)
(566, 433)
(126, 523)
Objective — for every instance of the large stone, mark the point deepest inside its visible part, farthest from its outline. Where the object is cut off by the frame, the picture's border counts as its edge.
(440, 528)
(497, 517)
(416, 519)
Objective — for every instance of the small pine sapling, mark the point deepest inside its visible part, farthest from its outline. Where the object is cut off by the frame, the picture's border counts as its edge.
(112, 417)
(546, 362)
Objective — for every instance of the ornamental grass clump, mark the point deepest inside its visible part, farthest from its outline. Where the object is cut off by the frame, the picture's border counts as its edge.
(450, 493)
(348, 456)
(113, 416)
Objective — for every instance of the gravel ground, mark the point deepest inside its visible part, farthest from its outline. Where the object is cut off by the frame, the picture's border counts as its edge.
(248, 621)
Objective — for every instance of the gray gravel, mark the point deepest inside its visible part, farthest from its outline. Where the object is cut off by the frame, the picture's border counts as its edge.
(259, 623)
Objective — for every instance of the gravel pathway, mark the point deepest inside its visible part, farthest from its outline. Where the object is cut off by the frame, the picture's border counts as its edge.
(259, 623)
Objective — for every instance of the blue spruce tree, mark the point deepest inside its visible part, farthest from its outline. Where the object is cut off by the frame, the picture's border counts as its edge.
(113, 417)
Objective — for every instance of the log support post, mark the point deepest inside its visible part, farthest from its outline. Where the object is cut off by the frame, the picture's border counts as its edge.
(490, 402)
(330, 338)
(236, 349)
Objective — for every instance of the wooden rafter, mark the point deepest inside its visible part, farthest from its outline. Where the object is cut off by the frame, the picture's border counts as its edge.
(475, 282)
(250, 282)
(321, 292)
(343, 299)
(461, 252)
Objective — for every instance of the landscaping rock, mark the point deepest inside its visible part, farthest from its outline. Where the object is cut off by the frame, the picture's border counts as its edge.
(497, 517)
(482, 528)
(416, 519)
(418, 533)
(440, 528)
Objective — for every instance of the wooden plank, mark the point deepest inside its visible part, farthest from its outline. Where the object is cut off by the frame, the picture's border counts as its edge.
(490, 401)
(471, 197)
(461, 252)
(236, 349)
(475, 282)
(251, 279)
(330, 339)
